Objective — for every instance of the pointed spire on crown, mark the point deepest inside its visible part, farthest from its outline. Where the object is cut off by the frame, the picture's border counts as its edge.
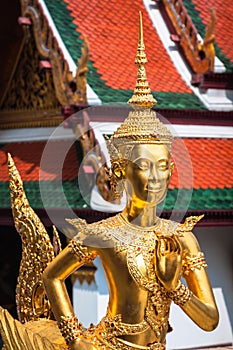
(142, 96)
(141, 125)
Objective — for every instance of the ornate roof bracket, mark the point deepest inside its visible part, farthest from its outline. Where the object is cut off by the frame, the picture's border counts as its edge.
(69, 90)
(199, 54)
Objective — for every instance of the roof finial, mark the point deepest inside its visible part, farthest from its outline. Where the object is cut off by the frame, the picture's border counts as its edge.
(142, 96)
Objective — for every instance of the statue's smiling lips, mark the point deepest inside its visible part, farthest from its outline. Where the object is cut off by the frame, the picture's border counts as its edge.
(153, 188)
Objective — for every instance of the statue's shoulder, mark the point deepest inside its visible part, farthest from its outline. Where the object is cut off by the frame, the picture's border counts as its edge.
(78, 223)
(188, 224)
(169, 227)
(99, 228)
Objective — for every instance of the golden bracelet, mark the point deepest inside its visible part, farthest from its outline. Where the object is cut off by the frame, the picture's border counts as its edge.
(70, 328)
(181, 295)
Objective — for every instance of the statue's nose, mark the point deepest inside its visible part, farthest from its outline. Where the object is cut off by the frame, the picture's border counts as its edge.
(153, 173)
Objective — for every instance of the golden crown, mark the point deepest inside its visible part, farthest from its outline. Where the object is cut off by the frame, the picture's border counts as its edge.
(142, 124)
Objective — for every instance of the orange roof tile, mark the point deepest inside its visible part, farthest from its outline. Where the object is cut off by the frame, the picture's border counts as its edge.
(199, 163)
(224, 27)
(27, 157)
(211, 161)
(112, 31)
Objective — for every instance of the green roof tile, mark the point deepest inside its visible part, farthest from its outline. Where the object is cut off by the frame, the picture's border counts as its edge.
(199, 199)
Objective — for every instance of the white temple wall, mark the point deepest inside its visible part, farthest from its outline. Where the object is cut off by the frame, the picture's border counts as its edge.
(217, 244)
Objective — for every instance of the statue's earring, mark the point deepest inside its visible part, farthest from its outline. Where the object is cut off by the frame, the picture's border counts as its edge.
(171, 168)
(116, 175)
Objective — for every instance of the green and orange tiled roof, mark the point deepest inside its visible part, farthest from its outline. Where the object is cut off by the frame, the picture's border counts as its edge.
(112, 31)
(199, 11)
(53, 178)
(211, 187)
(211, 182)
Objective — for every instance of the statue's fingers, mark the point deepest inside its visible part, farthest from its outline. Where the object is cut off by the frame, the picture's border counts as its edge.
(174, 245)
(170, 245)
(178, 245)
(161, 247)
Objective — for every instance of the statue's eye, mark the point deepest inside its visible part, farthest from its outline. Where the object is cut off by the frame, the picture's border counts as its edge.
(143, 164)
(163, 165)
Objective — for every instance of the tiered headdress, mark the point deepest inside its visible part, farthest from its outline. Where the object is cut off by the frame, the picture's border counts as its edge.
(141, 125)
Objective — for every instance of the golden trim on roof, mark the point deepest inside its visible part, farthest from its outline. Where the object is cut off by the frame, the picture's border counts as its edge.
(49, 49)
(199, 53)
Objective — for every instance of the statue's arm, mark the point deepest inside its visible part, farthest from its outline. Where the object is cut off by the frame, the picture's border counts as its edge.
(201, 306)
(69, 260)
(54, 276)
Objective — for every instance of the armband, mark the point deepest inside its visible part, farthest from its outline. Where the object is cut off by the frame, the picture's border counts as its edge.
(81, 251)
(192, 262)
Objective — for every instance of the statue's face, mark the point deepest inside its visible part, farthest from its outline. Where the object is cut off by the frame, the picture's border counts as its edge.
(148, 172)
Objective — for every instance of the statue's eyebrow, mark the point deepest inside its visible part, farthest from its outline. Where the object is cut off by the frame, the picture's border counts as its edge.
(143, 158)
(162, 160)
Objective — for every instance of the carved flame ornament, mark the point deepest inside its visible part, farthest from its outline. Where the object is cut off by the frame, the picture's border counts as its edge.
(37, 252)
(38, 331)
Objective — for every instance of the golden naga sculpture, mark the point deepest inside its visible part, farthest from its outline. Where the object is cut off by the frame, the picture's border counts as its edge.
(79, 82)
(81, 73)
(206, 50)
(143, 256)
(199, 53)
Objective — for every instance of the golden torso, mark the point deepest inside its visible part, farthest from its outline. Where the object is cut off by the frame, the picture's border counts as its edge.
(128, 256)
(125, 294)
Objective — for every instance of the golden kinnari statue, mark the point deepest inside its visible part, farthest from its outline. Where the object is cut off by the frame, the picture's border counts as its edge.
(143, 256)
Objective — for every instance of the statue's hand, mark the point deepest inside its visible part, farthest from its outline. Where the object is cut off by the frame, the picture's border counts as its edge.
(81, 345)
(168, 262)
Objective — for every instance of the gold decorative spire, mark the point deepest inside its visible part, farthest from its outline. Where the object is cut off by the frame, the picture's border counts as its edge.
(142, 94)
(142, 124)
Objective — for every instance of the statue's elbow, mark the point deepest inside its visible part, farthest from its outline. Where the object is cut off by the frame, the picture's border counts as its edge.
(211, 326)
(47, 276)
(212, 323)
(215, 321)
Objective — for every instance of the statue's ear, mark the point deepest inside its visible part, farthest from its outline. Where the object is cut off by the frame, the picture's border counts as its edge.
(171, 168)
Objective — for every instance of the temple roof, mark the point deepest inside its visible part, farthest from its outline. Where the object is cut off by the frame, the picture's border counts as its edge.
(111, 29)
(112, 32)
(207, 183)
(54, 173)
